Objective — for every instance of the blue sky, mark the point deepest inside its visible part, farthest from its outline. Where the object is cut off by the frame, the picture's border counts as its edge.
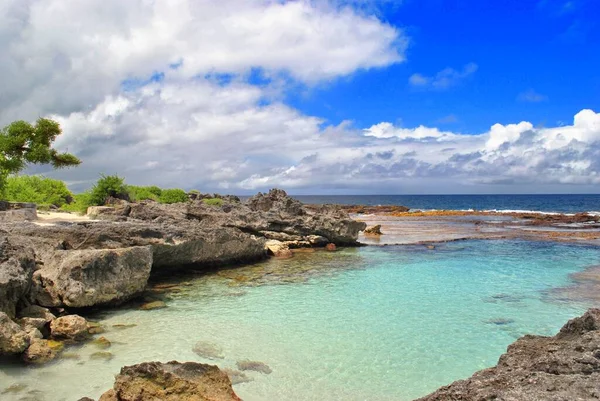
(313, 96)
(549, 47)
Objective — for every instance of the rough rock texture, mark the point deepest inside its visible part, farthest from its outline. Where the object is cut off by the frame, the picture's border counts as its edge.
(17, 263)
(373, 230)
(80, 278)
(534, 368)
(73, 327)
(13, 339)
(39, 352)
(173, 381)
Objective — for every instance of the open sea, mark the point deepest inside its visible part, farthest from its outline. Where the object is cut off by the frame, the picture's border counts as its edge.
(539, 203)
(372, 323)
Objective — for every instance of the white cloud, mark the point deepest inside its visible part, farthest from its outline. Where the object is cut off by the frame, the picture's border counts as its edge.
(531, 96)
(444, 79)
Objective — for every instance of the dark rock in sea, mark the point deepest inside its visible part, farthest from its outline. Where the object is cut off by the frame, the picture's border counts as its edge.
(236, 376)
(102, 356)
(40, 351)
(255, 366)
(500, 321)
(173, 381)
(373, 230)
(536, 368)
(153, 305)
(330, 247)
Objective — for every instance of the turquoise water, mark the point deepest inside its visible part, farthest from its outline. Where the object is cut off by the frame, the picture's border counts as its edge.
(376, 323)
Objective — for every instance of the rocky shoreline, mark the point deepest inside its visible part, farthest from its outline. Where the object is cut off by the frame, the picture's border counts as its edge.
(50, 271)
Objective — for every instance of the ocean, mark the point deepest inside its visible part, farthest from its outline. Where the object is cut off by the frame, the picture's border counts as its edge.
(539, 203)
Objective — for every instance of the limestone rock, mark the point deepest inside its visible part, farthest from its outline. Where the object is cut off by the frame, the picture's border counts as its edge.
(173, 381)
(255, 366)
(93, 277)
(73, 327)
(39, 352)
(13, 339)
(373, 230)
(17, 263)
(536, 368)
(37, 312)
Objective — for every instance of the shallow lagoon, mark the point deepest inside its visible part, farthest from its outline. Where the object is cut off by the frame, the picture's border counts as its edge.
(375, 323)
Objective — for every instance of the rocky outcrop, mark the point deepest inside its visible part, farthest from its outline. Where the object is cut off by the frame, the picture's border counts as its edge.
(535, 368)
(17, 263)
(171, 381)
(80, 278)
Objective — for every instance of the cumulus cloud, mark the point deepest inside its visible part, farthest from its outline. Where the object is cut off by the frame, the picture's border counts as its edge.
(444, 79)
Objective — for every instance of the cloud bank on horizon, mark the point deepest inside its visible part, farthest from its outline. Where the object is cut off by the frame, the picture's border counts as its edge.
(192, 94)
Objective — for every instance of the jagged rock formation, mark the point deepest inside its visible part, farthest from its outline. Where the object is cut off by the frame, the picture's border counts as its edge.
(171, 381)
(536, 368)
(17, 263)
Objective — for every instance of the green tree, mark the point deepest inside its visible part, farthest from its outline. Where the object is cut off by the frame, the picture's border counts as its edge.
(108, 186)
(22, 143)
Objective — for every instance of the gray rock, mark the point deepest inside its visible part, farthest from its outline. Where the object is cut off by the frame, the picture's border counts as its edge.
(17, 263)
(13, 339)
(83, 278)
(255, 366)
(536, 368)
(208, 350)
(37, 312)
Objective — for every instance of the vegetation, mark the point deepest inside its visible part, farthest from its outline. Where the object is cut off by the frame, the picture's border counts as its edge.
(35, 189)
(80, 203)
(137, 193)
(22, 144)
(106, 187)
(213, 201)
(173, 196)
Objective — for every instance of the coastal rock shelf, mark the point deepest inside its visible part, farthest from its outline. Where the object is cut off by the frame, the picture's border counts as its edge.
(108, 261)
(535, 368)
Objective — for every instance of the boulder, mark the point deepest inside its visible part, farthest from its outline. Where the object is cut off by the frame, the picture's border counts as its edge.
(39, 352)
(330, 247)
(273, 246)
(172, 381)
(13, 339)
(72, 327)
(373, 230)
(37, 312)
(17, 263)
(536, 368)
(80, 278)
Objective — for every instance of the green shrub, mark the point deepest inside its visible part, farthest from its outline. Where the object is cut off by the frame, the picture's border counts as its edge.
(35, 189)
(108, 186)
(80, 203)
(173, 196)
(213, 201)
(137, 194)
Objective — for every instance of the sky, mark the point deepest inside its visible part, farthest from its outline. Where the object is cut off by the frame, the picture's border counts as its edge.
(315, 97)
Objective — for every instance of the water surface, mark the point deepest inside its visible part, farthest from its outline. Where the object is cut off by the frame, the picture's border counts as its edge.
(375, 323)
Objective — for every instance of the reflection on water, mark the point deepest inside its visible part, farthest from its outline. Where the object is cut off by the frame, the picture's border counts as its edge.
(376, 323)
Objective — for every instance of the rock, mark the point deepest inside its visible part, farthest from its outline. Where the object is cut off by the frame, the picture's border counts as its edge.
(37, 312)
(373, 230)
(236, 376)
(72, 327)
(317, 240)
(284, 254)
(102, 343)
(102, 356)
(536, 368)
(85, 399)
(14, 388)
(255, 366)
(95, 328)
(40, 352)
(123, 326)
(153, 305)
(208, 350)
(273, 246)
(17, 263)
(96, 211)
(173, 381)
(13, 339)
(330, 247)
(93, 277)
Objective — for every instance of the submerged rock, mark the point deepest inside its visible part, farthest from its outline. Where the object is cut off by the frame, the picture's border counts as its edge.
(330, 247)
(208, 350)
(236, 376)
(255, 366)
(72, 327)
(102, 356)
(536, 368)
(173, 381)
(102, 343)
(153, 305)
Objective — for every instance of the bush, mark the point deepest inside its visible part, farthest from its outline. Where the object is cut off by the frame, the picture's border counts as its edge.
(35, 189)
(80, 203)
(108, 186)
(137, 194)
(173, 196)
(213, 201)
